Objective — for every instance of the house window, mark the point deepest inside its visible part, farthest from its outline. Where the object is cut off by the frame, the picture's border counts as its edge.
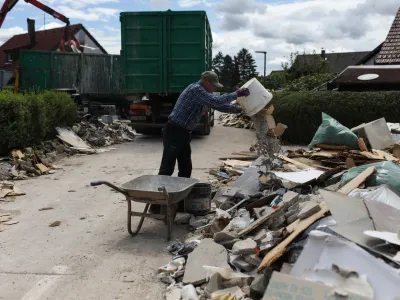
(10, 57)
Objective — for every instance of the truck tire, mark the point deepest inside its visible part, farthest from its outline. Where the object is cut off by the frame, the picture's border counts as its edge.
(207, 129)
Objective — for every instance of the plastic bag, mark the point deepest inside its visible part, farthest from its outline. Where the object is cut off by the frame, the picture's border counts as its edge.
(387, 172)
(331, 132)
(383, 194)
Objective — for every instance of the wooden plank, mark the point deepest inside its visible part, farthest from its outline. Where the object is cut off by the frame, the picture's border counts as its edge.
(332, 147)
(261, 221)
(350, 163)
(374, 156)
(362, 144)
(17, 154)
(386, 155)
(295, 229)
(311, 163)
(237, 163)
(357, 181)
(396, 151)
(42, 168)
(292, 161)
(240, 157)
(324, 154)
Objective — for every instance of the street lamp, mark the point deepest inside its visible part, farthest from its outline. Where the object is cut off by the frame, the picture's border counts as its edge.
(265, 64)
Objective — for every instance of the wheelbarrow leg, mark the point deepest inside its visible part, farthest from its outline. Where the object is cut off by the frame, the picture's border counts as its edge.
(169, 222)
(130, 219)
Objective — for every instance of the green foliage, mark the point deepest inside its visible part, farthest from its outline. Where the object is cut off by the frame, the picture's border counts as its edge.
(309, 82)
(304, 65)
(275, 80)
(27, 119)
(233, 71)
(301, 111)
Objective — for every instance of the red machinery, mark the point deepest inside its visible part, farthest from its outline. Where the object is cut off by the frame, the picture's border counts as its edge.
(69, 43)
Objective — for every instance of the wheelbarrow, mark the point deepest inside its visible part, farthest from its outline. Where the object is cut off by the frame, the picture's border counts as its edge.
(153, 189)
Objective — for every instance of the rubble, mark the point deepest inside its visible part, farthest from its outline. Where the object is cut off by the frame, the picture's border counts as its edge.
(238, 121)
(268, 210)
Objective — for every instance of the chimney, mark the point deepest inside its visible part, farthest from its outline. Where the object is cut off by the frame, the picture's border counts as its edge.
(323, 53)
(31, 31)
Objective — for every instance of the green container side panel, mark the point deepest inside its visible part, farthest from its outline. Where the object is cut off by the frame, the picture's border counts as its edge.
(142, 52)
(88, 73)
(163, 52)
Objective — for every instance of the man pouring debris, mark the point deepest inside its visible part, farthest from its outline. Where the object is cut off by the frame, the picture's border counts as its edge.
(186, 115)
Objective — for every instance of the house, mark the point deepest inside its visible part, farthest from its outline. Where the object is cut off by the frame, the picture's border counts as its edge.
(335, 62)
(377, 71)
(390, 51)
(45, 40)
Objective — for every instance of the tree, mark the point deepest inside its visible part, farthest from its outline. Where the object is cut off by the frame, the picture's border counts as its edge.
(218, 63)
(246, 65)
(305, 65)
(229, 74)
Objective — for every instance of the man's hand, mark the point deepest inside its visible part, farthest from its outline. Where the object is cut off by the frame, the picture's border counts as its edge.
(243, 92)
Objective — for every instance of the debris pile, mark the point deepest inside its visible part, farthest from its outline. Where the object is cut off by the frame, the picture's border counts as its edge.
(99, 134)
(8, 192)
(314, 223)
(237, 121)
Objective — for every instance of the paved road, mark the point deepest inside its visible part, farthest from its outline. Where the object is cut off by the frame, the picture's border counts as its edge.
(91, 255)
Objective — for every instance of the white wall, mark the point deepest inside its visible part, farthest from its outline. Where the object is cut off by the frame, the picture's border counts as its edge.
(85, 40)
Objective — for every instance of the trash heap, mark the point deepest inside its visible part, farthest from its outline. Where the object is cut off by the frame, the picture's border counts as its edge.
(99, 134)
(310, 227)
(237, 121)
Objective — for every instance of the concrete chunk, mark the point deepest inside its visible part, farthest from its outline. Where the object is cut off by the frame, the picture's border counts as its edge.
(239, 262)
(207, 253)
(289, 199)
(174, 294)
(304, 198)
(252, 259)
(310, 209)
(261, 234)
(244, 247)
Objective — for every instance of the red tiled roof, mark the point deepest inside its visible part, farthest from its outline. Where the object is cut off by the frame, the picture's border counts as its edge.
(390, 52)
(46, 40)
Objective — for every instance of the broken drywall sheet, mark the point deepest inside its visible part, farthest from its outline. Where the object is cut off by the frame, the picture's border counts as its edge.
(383, 194)
(323, 250)
(389, 237)
(353, 218)
(300, 176)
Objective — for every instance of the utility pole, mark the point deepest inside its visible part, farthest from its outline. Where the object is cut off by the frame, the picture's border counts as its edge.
(265, 65)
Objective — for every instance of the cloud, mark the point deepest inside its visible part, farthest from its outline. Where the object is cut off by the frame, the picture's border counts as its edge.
(110, 28)
(91, 14)
(340, 26)
(160, 4)
(79, 3)
(51, 26)
(110, 42)
(190, 3)
(241, 7)
(6, 34)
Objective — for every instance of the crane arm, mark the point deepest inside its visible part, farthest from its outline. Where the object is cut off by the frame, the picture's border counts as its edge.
(9, 5)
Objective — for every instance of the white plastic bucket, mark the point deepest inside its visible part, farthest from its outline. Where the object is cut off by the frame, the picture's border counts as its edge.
(259, 97)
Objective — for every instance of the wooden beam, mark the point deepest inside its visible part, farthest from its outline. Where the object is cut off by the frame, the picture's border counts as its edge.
(362, 145)
(292, 161)
(332, 147)
(295, 229)
(357, 181)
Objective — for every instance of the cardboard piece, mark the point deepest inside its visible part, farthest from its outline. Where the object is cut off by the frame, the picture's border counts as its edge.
(323, 250)
(283, 286)
(17, 154)
(362, 144)
(237, 163)
(279, 130)
(42, 168)
(294, 162)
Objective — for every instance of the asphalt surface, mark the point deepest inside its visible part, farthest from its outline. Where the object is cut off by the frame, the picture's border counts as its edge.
(91, 255)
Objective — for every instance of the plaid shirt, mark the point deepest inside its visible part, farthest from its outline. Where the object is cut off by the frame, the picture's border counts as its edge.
(194, 100)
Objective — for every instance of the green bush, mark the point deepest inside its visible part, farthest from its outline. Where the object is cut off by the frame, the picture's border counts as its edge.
(28, 119)
(301, 111)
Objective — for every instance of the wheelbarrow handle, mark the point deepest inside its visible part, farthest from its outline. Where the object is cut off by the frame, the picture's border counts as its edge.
(113, 186)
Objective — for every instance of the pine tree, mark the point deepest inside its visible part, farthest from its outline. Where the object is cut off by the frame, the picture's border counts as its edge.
(227, 73)
(218, 63)
(246, 65)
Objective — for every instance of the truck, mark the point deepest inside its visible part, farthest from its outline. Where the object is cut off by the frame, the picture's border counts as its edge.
(161, 54)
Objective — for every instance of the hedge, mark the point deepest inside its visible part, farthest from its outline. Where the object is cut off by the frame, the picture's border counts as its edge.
(28, 119)
(301, 111)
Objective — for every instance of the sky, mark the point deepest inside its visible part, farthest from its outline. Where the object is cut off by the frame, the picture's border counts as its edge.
(279, 27)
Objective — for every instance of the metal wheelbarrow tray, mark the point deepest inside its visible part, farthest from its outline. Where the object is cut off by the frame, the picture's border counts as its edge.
(153, 189)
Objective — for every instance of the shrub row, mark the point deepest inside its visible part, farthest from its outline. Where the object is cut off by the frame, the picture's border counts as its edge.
(301, 111)
(28, 119)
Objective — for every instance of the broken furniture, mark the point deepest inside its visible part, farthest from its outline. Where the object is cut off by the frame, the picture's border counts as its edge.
(153, 189)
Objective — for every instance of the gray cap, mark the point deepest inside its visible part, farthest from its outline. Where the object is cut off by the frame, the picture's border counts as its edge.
(212, 77)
